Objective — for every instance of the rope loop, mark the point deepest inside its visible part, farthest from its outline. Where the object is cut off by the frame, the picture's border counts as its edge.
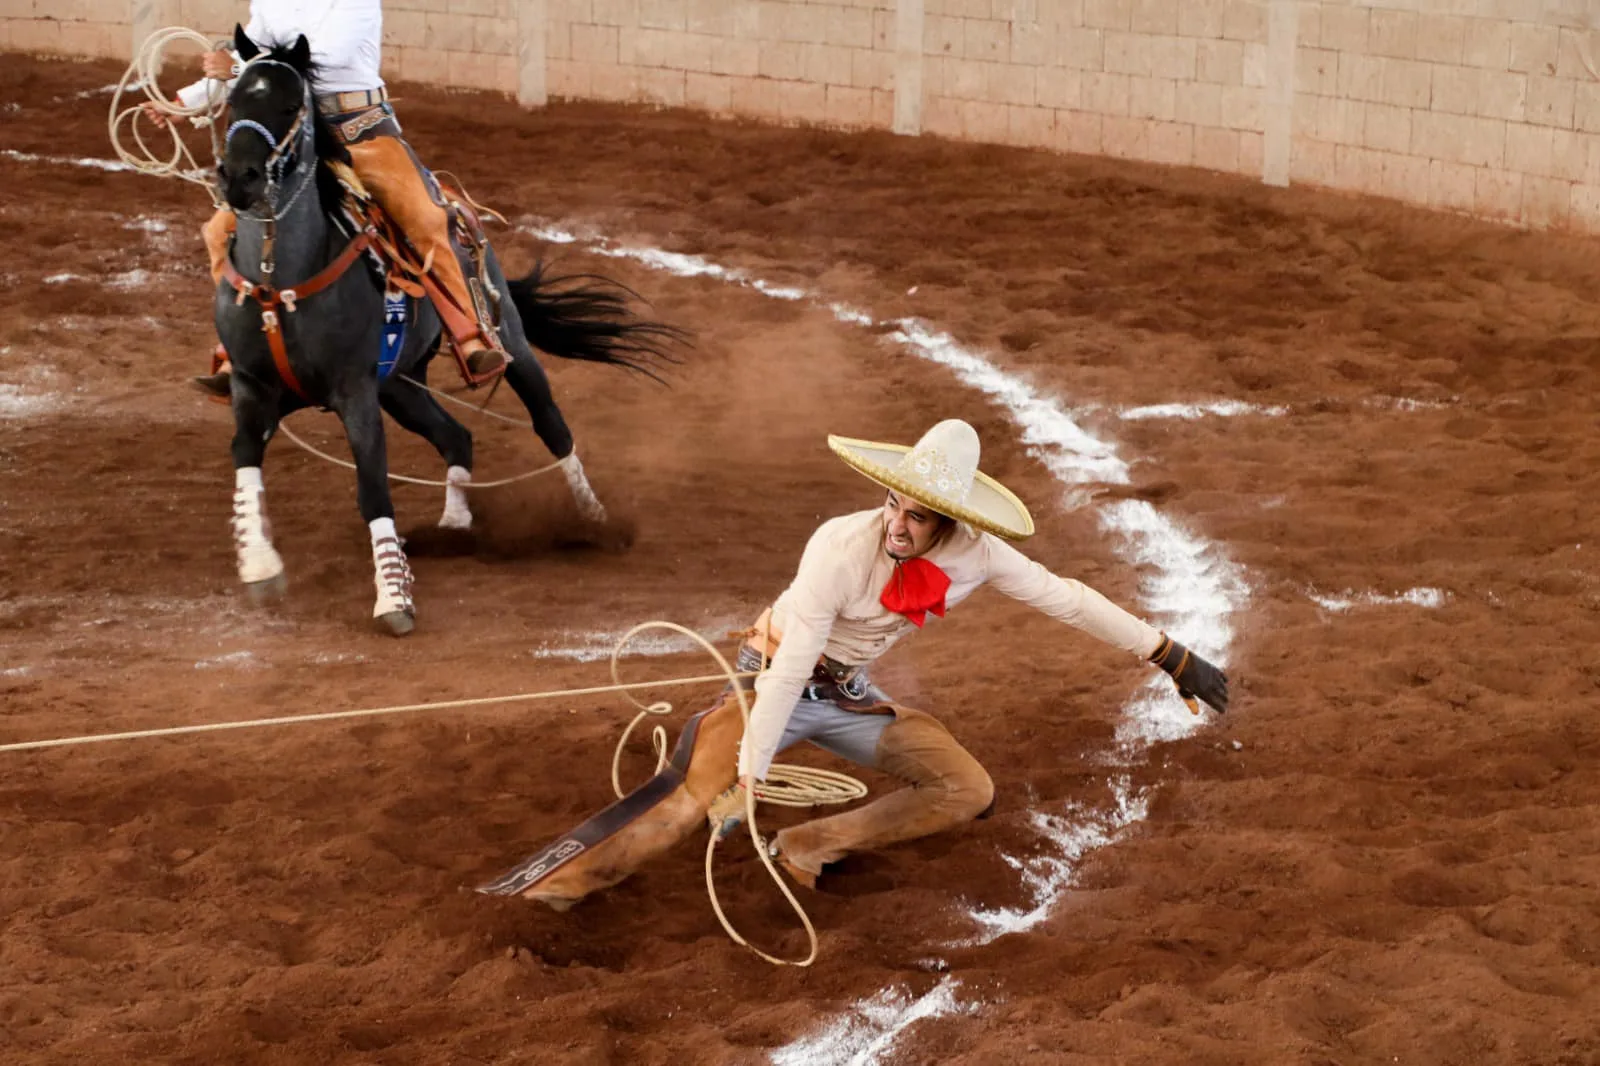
(283, 427)
(789, 786)
(141, 77)
(432, 482)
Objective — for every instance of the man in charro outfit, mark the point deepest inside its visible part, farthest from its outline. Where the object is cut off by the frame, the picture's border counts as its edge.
(346, 38)
(865, 581)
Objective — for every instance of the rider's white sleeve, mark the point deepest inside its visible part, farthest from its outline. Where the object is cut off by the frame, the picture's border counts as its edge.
(199, 93)
(196, 93)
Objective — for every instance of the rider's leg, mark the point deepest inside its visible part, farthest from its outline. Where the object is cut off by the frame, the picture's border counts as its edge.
(391, 174)
(946, 788)
(216, 233)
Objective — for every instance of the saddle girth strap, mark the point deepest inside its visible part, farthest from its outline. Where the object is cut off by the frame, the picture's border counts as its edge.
(603, 825)
(271, 299)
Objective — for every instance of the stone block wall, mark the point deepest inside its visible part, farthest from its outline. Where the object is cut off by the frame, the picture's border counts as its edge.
(1487, 107)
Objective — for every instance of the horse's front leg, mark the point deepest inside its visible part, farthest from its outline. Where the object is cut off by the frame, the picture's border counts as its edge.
(260, 566)
(363, 427)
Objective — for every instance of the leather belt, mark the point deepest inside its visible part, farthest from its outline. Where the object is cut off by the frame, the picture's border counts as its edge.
(356, 100)
(830, 682)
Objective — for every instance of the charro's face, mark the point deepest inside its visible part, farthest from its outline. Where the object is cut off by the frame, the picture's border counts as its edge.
(910, 528)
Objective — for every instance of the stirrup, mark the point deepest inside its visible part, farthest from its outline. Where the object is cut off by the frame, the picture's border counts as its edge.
(217, 387)
(482, 377)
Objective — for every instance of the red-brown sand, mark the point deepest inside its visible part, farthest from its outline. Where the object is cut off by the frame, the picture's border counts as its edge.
(1398, 861)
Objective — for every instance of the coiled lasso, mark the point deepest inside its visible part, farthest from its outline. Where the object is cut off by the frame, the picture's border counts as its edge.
(785, 786)
(141, 76)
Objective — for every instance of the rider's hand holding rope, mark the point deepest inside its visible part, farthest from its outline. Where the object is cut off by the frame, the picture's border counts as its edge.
(789, 786)
(160, 110)
(726, 812)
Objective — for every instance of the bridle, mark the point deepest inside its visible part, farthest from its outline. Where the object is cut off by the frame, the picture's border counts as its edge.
(296, 147)
(283, 157)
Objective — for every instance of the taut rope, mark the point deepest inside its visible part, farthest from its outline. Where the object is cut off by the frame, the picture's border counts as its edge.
(795, 786)
(364, 712)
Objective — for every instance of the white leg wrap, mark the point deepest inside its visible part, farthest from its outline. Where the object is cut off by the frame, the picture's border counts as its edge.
(589, 504)
(391, 572)
(457, 515)
(252, 536)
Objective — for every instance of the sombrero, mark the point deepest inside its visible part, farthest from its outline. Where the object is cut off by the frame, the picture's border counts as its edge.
(941, 472)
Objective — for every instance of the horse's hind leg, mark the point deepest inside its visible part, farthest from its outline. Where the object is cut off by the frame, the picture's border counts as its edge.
(416, 410)
(260, 566)
(363, 428)
(528, 380)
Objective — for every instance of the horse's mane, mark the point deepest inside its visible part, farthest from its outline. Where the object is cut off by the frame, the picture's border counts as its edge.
(324, 141)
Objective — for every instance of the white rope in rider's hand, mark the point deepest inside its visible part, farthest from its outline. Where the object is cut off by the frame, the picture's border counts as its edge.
(795, 786)
(141, 76)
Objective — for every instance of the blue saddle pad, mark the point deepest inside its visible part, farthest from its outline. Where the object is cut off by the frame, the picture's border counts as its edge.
(398, 311)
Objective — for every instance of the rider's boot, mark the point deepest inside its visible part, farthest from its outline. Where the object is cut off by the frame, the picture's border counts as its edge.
(219, 383)
(217, 231)
(483, 362)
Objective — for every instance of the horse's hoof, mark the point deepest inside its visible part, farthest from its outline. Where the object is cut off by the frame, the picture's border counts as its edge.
(398, 623)
(269, 591)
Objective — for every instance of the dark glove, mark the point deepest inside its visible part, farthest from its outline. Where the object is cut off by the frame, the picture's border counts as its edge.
(1194, 677)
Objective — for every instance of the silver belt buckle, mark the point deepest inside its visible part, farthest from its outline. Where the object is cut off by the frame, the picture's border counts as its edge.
(854, 686)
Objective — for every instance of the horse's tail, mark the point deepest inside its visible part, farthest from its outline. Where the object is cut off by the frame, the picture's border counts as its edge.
(586, 316)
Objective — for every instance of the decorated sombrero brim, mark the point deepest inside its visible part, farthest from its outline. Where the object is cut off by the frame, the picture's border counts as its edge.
(988, 505)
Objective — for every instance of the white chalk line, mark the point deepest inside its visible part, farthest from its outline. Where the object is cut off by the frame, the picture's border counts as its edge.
(1192, 412)
(1073, 833)
(18, 402)
(1349, 599)
(870, 1028)
(597, 646)
(66, 161)
(1076, 458)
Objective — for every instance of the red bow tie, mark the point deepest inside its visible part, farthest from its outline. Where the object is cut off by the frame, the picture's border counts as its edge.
(915, 588)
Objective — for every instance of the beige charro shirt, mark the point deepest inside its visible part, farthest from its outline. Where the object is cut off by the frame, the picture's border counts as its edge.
(832, 609)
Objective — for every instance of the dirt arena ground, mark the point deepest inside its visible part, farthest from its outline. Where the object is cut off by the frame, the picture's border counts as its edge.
(1389, 851)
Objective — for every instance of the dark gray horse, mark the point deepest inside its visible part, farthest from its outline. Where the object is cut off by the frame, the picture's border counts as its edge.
(323, 347)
